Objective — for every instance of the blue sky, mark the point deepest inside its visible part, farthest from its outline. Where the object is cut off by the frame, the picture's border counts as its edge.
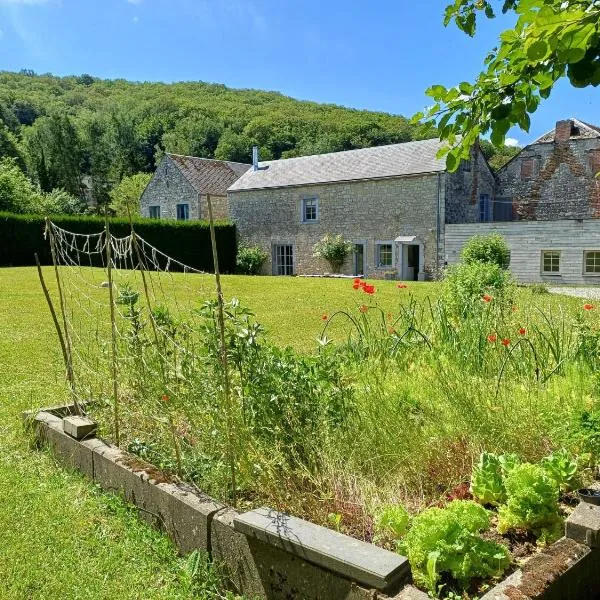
(375, 55)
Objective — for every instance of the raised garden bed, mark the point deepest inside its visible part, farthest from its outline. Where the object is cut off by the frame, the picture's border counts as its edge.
(272, 555)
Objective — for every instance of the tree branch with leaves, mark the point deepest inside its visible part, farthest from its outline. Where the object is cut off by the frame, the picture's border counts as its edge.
(551, 39)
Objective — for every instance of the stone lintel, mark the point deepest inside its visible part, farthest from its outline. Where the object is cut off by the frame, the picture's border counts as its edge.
(356, 560)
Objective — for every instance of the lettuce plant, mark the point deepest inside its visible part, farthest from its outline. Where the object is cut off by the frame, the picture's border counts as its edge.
(562, 468)
(391, 521)
(447, 540)
(486, 480)
(531, 504)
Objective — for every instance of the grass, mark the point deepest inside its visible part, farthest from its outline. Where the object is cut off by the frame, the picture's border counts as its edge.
(418, 421)
(60, 537)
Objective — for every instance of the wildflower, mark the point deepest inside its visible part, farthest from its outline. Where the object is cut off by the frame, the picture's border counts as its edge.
(364, 308)
(486, 298)
(588, 307)
(389, 316)
(391, 330)
(522, 331)
(324, 318)
(164, 398)
(505, 342)
(492, 338)
(402, 286)
(357, 280)
(369, 289)
(356, 285)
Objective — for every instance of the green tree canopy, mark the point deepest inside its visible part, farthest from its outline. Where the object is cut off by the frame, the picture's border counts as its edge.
(125, 197)
(551, 39)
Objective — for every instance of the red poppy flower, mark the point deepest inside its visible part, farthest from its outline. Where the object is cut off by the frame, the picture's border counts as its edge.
(588, 307)
(357, 280)
(402, 286)
(492, 338)
(486, 298)
(369, 289)
(505, 342)
(356, 285)
(522, 331)
(324, 318)
(364, 308)
(165, 398)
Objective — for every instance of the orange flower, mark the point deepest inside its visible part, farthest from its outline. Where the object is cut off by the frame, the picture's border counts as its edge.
(522, 331)
(356, 285)
(364, 308)
(486, 298)
(324, 318)
(164, 398)
(402, 286)
(505, 342)
(391, 330)
(588, 307)
(357, 280)
(369, 289)
(492, 338)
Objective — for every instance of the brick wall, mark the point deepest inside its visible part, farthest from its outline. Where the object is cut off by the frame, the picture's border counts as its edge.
(554, 180)
(527, 240)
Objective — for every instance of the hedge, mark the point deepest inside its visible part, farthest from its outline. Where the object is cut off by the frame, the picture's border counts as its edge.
(21, 236)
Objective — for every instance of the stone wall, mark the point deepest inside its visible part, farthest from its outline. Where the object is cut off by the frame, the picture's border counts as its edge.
(362, 211)
(553, 180)
(527, 240)
(464, 187)
(168, 188)
(220, 207)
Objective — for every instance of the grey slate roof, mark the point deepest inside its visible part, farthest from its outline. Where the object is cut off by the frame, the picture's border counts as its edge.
(209, 176)
(396, 160)
(583, 131)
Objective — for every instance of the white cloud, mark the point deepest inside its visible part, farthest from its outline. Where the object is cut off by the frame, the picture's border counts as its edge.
(511, 142)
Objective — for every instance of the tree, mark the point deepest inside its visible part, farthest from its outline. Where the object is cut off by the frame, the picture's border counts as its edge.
(233, 146)
(125, 197)
(17, 193)
(551, 39)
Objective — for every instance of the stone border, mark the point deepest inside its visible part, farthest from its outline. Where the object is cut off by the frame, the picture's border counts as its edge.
(267, 554)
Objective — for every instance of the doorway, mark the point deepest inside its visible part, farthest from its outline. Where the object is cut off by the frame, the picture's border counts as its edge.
(411, 262)
(359, 259)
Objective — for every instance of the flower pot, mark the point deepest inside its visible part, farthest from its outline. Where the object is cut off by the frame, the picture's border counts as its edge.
(589, 495)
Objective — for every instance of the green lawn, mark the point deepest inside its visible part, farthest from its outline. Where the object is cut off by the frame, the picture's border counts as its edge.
(60, 537)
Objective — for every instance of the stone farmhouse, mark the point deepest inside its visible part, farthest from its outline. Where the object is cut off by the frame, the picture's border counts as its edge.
(181, 184)
(406, 215)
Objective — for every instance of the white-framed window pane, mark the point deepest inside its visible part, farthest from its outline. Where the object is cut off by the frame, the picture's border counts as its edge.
(592, 262)
(384, 255)
(183, 212)
(154, 212)
(551, 261)
(283, 259)
(310, 209)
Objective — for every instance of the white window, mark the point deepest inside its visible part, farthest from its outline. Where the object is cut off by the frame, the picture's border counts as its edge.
(551, 262)
(384, 254)
(183, 212)
(485, 213)
(310, 210)
(154, 212)
(283, 259)
(591, 262)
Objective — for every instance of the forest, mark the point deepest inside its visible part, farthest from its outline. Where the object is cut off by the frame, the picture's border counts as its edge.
(71, 143)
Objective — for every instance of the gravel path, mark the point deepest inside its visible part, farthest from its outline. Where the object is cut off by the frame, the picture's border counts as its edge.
(578, 292)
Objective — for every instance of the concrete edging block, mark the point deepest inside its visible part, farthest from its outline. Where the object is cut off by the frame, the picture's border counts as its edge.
(351, 558)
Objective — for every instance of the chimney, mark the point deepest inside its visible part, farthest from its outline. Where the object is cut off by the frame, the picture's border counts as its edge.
(255, 158)
(563, 130)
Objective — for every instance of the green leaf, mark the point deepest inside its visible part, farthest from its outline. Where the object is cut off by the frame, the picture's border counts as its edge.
(437, 92)
(537, 51)
(452, 162)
